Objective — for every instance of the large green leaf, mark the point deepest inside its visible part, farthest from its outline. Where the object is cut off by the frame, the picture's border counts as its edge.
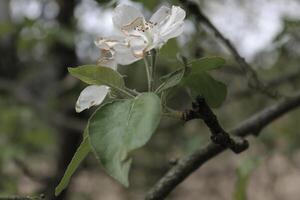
(118, 128)
(203, 84)
(97, 75)
(206, 64)
(78, 157)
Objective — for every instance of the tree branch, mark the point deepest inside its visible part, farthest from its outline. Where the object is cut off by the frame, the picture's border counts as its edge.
(254, 81)
(201, 110)
(28, 172)
(190, 163)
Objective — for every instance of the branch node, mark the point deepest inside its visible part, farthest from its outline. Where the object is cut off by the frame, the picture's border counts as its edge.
(173, 161)
(201, 110)
(240, 145)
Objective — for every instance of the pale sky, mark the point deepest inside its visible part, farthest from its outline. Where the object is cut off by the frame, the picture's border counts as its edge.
(251, 35)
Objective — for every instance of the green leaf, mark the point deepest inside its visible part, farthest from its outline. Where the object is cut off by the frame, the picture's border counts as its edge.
(97, 75)
(171, 80)
(243, 176)
(78, 157)
(118, 128)
(206, 64)
(203, 84)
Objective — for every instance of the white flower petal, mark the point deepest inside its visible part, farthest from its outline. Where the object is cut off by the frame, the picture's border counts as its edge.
(125, 14)
(91, 96)
(107, 59)
(178, 13)
(126, 29)
(138, 43)
(111, 63)
(124, 55)
(160, 14)
(101, 44)
(127, 58)
(108, 42)
(107, 50)
(177, 16)
(173, 32)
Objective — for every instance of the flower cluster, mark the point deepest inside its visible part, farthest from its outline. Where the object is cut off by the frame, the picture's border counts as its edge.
(138, 36)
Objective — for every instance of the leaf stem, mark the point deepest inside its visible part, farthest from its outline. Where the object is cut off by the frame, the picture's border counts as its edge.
(133, 92)
(123, 91)
(174, 114)
(154, 54)
(157, 91)
(148, 72)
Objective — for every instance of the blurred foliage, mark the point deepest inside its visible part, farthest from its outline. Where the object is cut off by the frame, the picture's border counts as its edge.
(31, 62)
(148, 4)
(244, 172)
(24, 131)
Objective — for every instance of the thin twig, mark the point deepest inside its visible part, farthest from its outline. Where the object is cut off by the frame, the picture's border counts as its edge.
(254, 81)
(289, 77)
(28, 172)
(154, 54)
(133, 92)
(192, 162)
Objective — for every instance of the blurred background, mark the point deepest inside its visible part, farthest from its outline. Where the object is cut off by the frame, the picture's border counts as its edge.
(40, 131)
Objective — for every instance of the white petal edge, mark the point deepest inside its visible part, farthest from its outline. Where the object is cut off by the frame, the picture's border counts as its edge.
(124, 15)
(174, 31)
(160, 14)
(177, 15)
(91, 96)
(108, 42)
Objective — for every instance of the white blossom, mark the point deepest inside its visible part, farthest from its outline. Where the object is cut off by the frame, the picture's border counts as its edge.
(114, 50)
(140, 35)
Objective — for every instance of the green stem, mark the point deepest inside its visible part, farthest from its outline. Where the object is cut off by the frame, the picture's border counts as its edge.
(133, 92)
(126, 93)
(157, 90)
(153, 66)
(174, 114)
(148, 71)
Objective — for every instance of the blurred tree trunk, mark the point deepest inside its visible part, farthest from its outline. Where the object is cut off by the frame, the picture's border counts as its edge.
(9, 61)
(66, 56)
